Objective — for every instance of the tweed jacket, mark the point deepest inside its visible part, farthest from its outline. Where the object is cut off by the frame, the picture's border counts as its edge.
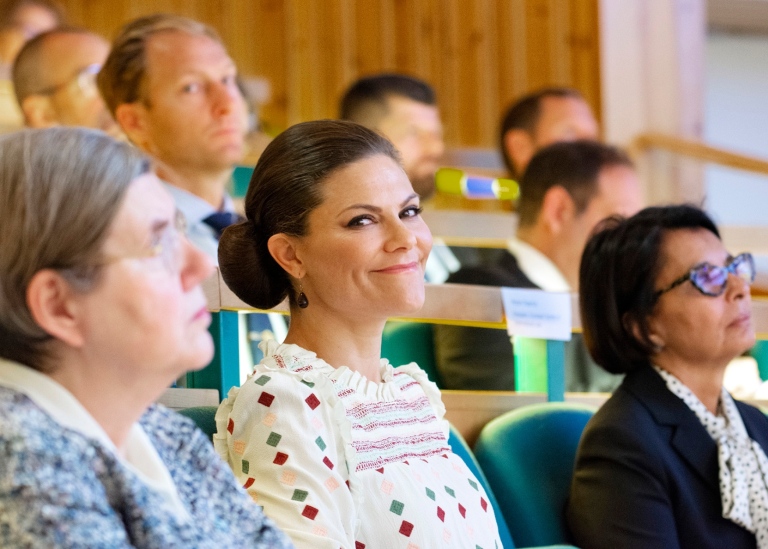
(59, 488)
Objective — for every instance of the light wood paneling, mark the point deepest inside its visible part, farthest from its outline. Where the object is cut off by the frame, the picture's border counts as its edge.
(479, 54)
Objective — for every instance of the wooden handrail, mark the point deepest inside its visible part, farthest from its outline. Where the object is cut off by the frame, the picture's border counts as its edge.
(460, 304)
(701, 151)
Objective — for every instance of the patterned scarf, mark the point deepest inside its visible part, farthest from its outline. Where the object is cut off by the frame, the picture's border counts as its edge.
(743, 464)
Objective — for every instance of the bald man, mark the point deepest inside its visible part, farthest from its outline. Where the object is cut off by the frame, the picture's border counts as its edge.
(54, 77)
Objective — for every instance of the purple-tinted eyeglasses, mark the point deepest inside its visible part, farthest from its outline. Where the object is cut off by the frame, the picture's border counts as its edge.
(712, 279)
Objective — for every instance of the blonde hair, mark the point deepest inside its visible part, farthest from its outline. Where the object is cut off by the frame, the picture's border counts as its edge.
(122, 79)
(60, 189)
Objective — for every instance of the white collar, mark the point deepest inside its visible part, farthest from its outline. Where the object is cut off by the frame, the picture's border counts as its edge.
(62, 406)
(538, 267)
(194, 208)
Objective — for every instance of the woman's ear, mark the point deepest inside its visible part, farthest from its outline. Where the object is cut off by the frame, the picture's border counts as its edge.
(633, 327)
(283, 249)
(51, 302)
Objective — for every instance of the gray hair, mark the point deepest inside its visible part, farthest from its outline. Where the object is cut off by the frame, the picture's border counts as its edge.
(60, 189)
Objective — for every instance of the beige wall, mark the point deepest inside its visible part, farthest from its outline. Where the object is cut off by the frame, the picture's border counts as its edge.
(479, 54)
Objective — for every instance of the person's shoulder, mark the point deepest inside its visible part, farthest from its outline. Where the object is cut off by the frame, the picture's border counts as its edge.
(504, 272)
(177, 440)
(623, 413)
(752, 412)
(161, 422)
(37, 453)
(24, 425)
(756, 422)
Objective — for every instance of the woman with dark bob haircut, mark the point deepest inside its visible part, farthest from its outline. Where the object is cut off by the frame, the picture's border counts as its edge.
(340, 448)
(670, 460)
(101, 309)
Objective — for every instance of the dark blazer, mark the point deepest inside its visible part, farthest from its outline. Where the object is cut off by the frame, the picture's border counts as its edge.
(646, 474)
(483, 359)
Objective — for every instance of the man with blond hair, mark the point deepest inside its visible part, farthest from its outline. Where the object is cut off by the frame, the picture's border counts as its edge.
(171, 85)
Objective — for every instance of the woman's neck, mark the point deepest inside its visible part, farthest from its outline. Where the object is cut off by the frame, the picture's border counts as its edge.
(704, 381)
(115, 404)
(355, 344)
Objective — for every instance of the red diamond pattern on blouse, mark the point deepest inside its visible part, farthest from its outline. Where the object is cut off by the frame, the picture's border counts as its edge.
(440, 513)
(309, 512)
(280, 458)
(380, 470)
(359, 545)
(249, 482)
(463, 511)
(230, 426)
(406, 528)
(266, 399)
(484, 504)
(328, 462)
(312, 401)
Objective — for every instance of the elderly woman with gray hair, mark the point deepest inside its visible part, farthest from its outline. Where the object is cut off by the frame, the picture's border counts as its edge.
(100, 310)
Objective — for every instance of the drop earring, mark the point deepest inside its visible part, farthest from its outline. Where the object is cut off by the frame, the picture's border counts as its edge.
(302, 300)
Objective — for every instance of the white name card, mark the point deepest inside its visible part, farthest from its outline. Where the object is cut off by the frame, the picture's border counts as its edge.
(538, 314)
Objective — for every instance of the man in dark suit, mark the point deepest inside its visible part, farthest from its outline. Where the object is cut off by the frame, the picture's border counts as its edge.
(566, 190)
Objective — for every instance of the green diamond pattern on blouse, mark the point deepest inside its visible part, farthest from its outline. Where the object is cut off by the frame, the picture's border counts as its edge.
(246, 466)
(450, 492)
(430, 494)
(263, 380)
(299, 495)
(397, 507)
(472, 483)
(274, 439)
(320, 442)
(308, 383)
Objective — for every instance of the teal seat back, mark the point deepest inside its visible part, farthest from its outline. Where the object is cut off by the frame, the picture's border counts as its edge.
(405, 342)
(241, 178)
(760, 353)
(461, 449)
(527, 456)
(204, 417)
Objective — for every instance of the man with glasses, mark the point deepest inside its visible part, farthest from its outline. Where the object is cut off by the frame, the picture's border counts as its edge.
(55, 80)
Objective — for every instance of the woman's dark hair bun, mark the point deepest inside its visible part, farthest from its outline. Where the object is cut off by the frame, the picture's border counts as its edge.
(248, 269)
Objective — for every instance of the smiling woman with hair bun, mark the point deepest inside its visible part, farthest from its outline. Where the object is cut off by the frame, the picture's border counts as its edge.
(340, 448)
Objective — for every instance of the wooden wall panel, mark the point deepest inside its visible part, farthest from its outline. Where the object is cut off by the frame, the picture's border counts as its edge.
(479, 54)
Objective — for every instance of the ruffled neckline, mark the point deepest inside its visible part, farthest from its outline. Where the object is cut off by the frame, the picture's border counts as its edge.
(297, 359)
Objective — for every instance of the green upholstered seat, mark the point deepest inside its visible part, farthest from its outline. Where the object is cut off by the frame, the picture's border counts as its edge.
(527, 456)
(204, 417)
(406, 342)
(461, 449)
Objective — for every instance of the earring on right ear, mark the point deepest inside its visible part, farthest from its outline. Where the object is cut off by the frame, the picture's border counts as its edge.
(302, 300)
(658, 346)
